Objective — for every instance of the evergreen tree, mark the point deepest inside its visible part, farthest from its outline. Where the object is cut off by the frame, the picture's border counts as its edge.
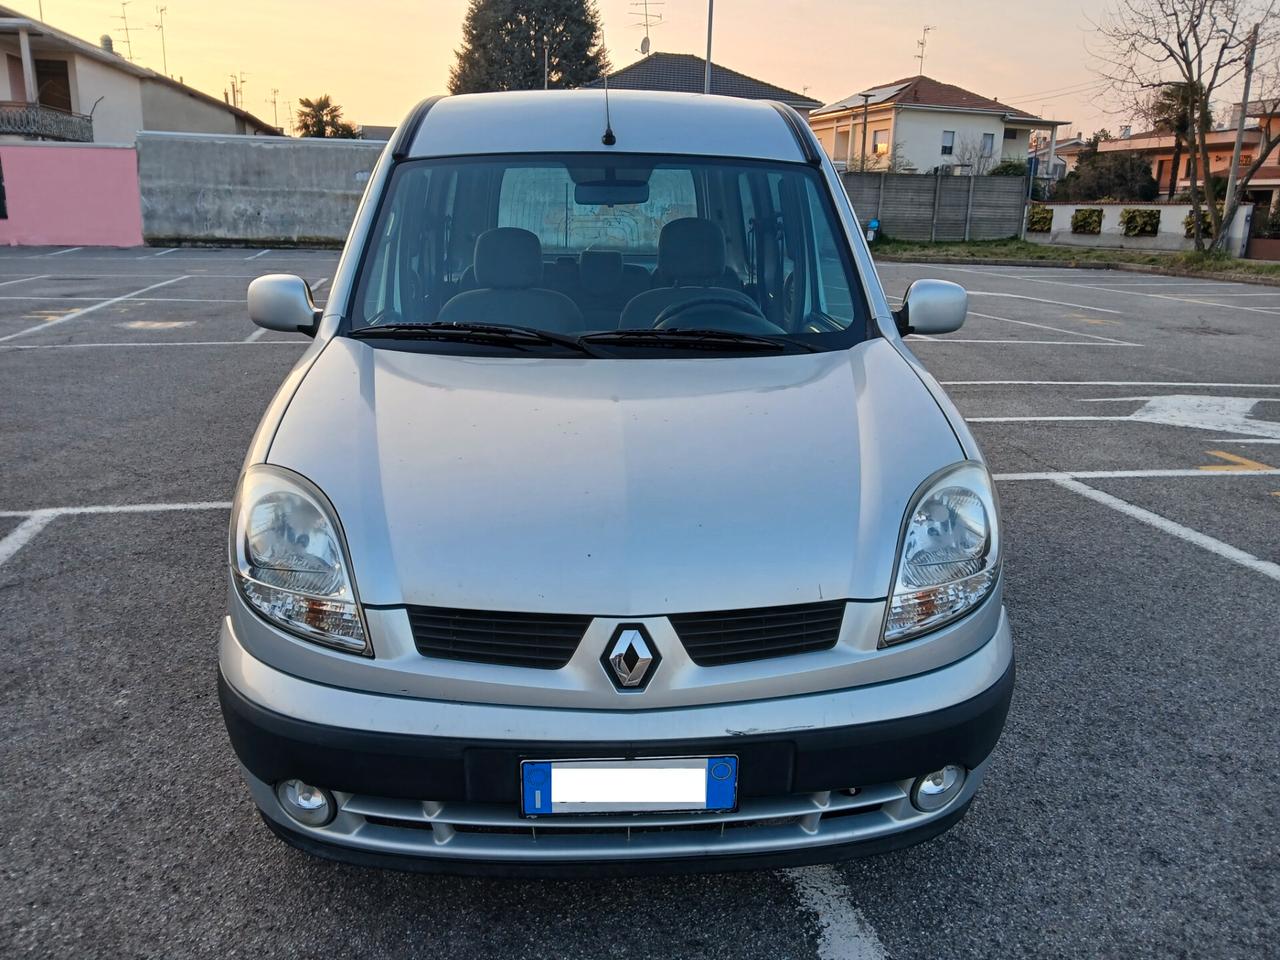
(503, 44)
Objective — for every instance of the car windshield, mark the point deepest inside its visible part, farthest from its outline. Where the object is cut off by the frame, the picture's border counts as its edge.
(624, 252)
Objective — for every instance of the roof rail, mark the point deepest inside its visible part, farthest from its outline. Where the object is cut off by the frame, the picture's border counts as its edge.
(801, 131)
(402, 139)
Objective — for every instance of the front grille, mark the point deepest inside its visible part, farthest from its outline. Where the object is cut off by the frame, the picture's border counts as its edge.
(737, 636)
(542, 640)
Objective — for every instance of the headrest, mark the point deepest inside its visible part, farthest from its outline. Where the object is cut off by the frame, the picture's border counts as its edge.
(600, 271)
(508, 257)
(691, 249)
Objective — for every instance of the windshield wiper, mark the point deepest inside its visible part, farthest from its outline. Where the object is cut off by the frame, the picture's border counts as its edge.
(497, 334)
(694, 338)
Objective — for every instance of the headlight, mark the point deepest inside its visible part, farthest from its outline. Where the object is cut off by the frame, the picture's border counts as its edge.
(949, 558)
(289, 561)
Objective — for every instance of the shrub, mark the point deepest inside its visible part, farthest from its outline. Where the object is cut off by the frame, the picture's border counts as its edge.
(1009, 168)
(1270, 225)
(1206, 224)
(1087, 220)
(1138, 222)
(1040, 219)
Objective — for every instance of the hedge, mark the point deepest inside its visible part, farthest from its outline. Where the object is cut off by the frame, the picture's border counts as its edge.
(1138, 222)
(1040, 220)
(1206, 224)
(1087, 220)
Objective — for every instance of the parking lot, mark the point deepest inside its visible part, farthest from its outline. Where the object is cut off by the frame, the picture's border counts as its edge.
(1133, 423)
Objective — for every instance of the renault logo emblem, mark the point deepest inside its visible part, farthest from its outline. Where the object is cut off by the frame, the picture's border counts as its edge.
(630, 657)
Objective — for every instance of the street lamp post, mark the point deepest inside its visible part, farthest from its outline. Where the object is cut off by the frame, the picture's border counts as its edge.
(862, 161)
(706, 77)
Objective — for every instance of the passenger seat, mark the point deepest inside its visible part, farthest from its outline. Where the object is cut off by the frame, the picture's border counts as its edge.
(508, 275)
(606, 285)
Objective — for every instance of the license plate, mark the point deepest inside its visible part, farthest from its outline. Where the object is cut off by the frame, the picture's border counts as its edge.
(666, 785)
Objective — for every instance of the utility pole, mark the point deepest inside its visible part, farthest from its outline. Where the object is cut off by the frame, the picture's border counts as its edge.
(546, 69)
(164, 54)
(275, 115)
(706, 77)
(924, 38)
(862, 160)
(124, 17)
(1234, 173)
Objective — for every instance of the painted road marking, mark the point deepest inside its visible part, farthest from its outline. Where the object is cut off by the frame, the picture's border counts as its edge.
(1028, 343)
(319, 283)
(261, 253)
(1170, 473)
(1102, 383)
(843, 932)
(1132, 293)
(1059, 303)
(1224, 414)
(24, 532)
(152, 343)
(38, 276)
(77, 314)
(1074, 333)
(133, 300)
(1204, 541)
(255, 335)
(1235, 463)
(58, 253)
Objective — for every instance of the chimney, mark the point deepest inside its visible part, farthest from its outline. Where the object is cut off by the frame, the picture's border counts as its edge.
(1125, 131)
(105, 42)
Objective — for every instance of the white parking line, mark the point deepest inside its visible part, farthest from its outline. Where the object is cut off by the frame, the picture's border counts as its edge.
(843, 932)
(58, 253)
(134, 299)
(1204, 541)
(1175, 472)
(1102, 383)
(1073, 333)
(153, 343)
(255, 335)
(1030, 343)
(23, 533)
(38, 276)
(77, 314)
(1042, 419)
(1058, 303)
(261, 253)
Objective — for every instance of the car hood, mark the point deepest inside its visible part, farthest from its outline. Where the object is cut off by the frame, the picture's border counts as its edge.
(625, 487)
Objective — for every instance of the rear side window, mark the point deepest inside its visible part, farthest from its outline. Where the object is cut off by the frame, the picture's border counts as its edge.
(540, 199)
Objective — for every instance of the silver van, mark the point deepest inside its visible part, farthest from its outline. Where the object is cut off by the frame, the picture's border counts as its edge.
(608, 524)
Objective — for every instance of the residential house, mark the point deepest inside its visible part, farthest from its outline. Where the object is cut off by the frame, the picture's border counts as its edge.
(686, 73)
(59, 87)
(919, 124)
(1066, 153)
(1158, 148)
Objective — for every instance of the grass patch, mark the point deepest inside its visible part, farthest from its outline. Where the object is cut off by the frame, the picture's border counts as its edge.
(1200, 264)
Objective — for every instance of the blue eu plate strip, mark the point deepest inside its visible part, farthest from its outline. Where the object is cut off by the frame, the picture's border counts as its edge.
(537, 787)
(722, 783)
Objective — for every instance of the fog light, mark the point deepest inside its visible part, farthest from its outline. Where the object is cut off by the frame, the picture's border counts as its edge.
(310, 806)
(936, 790)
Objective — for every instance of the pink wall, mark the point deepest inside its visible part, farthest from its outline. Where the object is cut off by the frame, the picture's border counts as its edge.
(70, 194)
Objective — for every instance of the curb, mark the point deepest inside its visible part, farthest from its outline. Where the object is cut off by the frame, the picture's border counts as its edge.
(1147, 268)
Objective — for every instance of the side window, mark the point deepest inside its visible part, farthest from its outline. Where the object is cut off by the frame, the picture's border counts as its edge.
(834, 296)
(988, 144)
(880, 142)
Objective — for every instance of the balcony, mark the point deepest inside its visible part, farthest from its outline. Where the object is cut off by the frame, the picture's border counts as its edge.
(48, 123)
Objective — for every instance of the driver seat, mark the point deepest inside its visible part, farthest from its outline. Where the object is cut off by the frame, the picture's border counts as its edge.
(691, 254)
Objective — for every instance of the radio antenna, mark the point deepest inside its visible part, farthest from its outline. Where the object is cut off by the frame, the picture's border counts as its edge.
(608, 139)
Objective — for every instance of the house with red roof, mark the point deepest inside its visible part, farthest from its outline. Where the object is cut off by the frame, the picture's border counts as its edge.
(918, 124)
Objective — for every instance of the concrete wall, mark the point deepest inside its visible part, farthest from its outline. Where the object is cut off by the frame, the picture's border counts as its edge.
(1172, 235)
(72, 194)
(261, 190)
(905, 205)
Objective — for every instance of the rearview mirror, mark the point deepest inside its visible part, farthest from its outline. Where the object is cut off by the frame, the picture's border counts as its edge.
(932, 307)
(611, 192)
(281, 301)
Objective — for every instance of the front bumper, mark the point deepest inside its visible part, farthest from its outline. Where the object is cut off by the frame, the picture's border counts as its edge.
(822, 776)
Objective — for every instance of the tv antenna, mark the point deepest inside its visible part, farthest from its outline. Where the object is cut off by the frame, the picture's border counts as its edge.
(124, 18)
(647, 19)
(164, 53)
(924, 38)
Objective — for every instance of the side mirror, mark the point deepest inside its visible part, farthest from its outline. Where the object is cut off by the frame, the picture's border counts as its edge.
(281, 301)
(932, 307)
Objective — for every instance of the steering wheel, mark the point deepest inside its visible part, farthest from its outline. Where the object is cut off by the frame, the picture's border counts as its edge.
(725, 310)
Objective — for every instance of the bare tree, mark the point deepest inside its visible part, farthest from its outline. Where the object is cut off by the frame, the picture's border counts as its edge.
(969, 153)
(1202, 45)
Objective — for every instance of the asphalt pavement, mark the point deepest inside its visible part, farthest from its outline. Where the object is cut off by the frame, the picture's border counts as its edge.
(1130, 810)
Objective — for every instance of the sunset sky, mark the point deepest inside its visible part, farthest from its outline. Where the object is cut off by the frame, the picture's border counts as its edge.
(379, 57)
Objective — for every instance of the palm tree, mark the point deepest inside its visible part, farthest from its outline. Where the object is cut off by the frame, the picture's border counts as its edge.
(322, 117)
(1171, 112)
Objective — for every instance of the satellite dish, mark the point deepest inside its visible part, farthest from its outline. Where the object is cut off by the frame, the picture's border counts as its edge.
(644, 46)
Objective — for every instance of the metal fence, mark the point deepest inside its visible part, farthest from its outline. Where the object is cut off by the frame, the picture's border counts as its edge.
(36, 120)
(939, 207)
